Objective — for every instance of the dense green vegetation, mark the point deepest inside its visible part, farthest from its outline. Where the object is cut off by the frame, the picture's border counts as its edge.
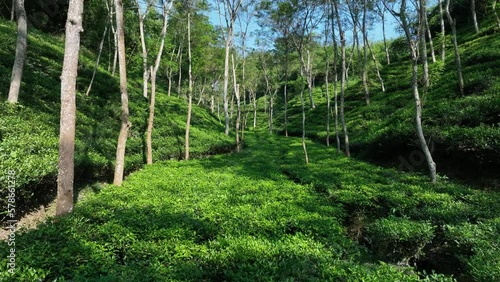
(261, 214)
(29, 131)
(467, 126)
(231, 218)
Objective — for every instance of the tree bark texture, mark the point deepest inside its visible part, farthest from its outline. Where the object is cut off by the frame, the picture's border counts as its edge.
(21, 46)
(458, 63)
(125, 124)
(66, 166)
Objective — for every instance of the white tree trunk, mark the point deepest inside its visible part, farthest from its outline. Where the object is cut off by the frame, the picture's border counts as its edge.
(423, 43)
(342, 80)
(494, 7)
(101, 45)
(458, 63)
(154, 71)
(443, 32)
(429, 36)
(145, 71)
(190, 91)
(474, 17)
(125, 124)
(387, 57)
(21, 44)
(65, 177)
(412, 46)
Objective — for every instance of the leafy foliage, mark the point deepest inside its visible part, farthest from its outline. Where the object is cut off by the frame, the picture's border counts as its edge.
(29, 131)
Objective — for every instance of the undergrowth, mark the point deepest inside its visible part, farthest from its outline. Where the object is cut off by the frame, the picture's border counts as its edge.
(262, 215)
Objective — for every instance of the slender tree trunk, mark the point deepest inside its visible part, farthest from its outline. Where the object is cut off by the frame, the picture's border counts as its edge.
(149, 132)
(271, 112)
(190, 90)
(112, 10)
(238, 108)
(21, 45)
(285, 90)
(13, 10)
(452, 23)
(202, 91)
(336, 107)
(226, 85)
(418, 106)
(429, 35)
(302, 102)
(310, 79)
(327, 85)
(179, 83)
(101, 44)
(231, 107)
(342, 94)
(335, 79)
(254, 96)
(418, 120)
(125, 124)
(238, 118)
(423, 43)
(169, 79)
(494, 7)
(66, 172)
(154, 71)
(342, 81)
(212, 103)
(443, 32)
(375, 63)
(145, 71)
(170, 73)
(474, 17)
(387, 57)
(109, 49)
(364, 75)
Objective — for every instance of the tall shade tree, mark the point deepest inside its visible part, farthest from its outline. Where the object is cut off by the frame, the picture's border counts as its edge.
(101, 45)
(230, 11)
(190, 87)
(278, 19)
(327, 80)
(21, 44)
(335, 73)
(381, 12)
(65, 177)
(125, 124)
(354, 11)
(474, 17)
(306, 14)
(166, 7)
(343, 74)
(429, 36)
(245, 18)
(422, 13)
(443, 31)
(494, 8)
(453, 25)
(413, 48)
(145, 68)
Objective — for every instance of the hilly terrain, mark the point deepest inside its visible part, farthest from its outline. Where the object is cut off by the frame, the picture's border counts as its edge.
(261, 214)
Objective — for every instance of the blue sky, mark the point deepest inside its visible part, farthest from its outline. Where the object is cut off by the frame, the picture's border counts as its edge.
(375, 34)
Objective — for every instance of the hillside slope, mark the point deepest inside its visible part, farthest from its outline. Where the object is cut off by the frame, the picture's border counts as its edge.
(231, 218)
(464, 131)
(29, 131)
